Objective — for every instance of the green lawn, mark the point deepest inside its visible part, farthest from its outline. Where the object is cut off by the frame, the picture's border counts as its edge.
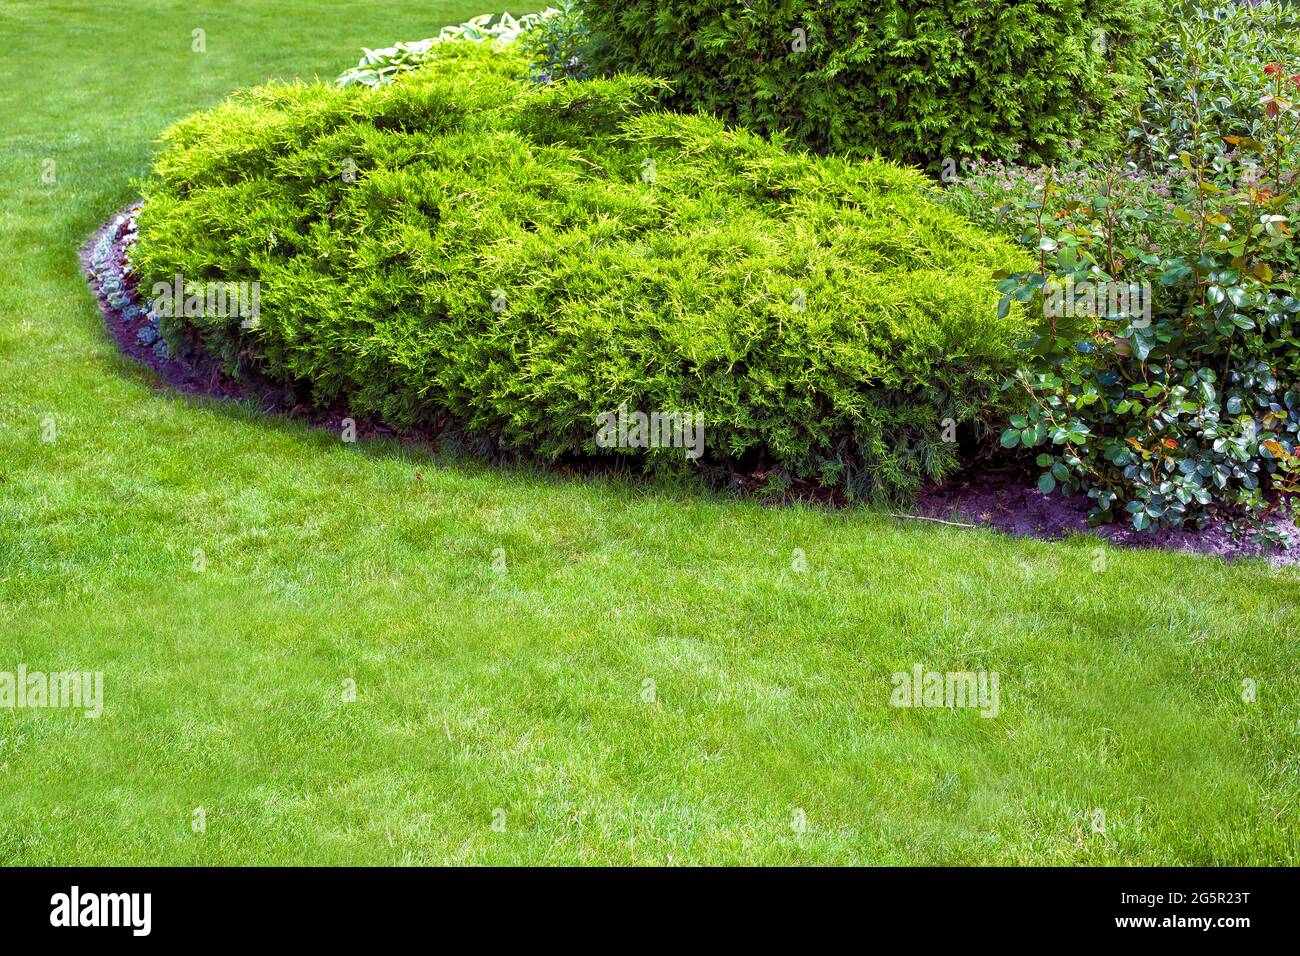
(1121, 688)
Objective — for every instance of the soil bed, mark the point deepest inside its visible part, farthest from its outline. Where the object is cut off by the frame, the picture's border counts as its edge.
(1001, 498)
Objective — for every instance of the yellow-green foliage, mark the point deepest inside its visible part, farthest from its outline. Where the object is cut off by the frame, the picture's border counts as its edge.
(824, 316)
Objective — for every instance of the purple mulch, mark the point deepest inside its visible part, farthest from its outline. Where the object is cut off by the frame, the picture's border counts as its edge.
(1004, 499)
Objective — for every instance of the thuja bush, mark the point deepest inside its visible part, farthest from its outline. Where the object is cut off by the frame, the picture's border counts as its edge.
(918, 81)
(461, 249)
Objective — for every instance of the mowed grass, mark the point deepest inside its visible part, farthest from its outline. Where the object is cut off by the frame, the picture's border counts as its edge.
(651, 679)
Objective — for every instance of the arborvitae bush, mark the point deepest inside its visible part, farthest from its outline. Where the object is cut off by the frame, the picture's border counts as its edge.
(911, 80)
(464, 249)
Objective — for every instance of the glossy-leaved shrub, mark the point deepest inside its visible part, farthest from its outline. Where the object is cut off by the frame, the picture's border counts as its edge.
(1163, 381)
(1212, 52)
(462, 249)
(917, 81)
